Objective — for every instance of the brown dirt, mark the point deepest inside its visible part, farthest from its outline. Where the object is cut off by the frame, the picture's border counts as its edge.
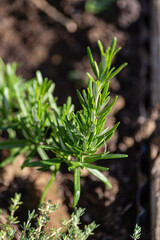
(29, 36)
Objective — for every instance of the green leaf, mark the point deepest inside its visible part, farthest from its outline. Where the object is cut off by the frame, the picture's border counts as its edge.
(108, 108)
(48, 93)
(81, 119)
(51, 161)
(73, 165)
(42, 168)
(62, 143)
(86, 165)
(14, 144)
(103, 65)
(39, 77)
(104, 104)
(35, 119)
(117, 71)
(101, 176)
(55, 149)
(90, 139)
(90, 77)
(111, 131)
(77, 186)
(82, 102)
(92, 158)
(94, 89)
(6, 100)
(106, 74)
(103, 132)
(104, 140)
(95, 157)
(101, 123)
(92, 62)
(85, 97)
(116, 51)
(42, 153)
(47, 147)
(112, 46)
(111, 156)
(20, 100)
(96, 69)
(100, 47)
(71, 135)
(25, 129)
(33, 164)
(4, 128)
(92, 128)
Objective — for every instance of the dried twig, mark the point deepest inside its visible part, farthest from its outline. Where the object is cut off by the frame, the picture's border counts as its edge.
(51, 11)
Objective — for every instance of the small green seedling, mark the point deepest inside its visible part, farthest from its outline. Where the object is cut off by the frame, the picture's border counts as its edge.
(137, 232)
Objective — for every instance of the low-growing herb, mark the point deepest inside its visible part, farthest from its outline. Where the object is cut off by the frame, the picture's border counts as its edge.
(40, 231)
(70, 229)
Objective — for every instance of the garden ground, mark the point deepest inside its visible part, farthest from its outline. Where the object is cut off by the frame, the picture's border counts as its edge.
(30, 36)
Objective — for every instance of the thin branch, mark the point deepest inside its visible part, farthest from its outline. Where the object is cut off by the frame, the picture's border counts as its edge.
(57, 16)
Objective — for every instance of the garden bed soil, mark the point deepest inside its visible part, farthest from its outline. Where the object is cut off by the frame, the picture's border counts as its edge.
(38, 41)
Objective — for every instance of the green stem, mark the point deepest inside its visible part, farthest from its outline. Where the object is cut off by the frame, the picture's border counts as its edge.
(44, 156)
(48, 185)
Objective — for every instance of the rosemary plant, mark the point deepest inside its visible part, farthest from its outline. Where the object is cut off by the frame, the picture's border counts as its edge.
(31, 105)
(79, 135)
(74, 137)
(8, 102)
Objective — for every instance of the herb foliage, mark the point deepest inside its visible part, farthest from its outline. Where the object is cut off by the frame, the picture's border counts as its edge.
(73, 136)
(40, 231)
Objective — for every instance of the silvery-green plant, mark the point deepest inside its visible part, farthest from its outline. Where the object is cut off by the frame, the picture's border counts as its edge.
(74, 137)
(40, 231)
(137, 233)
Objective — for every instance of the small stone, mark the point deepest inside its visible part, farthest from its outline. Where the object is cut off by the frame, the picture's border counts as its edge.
(154, 150)
(129, 142)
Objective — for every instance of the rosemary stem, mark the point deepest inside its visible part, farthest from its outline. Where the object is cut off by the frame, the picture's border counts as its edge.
(47, 186)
